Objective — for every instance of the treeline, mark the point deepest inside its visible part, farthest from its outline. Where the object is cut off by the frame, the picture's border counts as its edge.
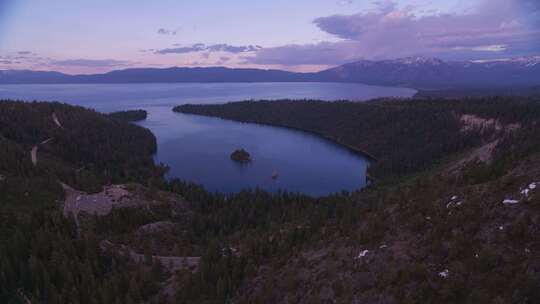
(129, 116)
(405, 136)
(456, 93)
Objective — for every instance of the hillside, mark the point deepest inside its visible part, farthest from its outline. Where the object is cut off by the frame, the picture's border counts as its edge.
(430, 241)
(460, 227)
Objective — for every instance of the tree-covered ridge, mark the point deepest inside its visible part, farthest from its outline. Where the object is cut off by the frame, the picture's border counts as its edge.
(431, 241)
(75, 145)
(405, 136)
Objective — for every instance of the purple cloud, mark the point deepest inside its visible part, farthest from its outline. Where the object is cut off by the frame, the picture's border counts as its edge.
(24, 57)
(94, 63)
(163, 31)
(200, 47)
(495, 28)
(223, 60)
(402, 27)
(231, 48)
(179, 50)
(325, 53)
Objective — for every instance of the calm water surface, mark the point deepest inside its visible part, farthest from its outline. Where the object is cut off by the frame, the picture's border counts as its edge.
(197, 148)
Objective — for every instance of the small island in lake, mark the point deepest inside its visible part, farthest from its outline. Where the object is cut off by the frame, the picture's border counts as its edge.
(241, 156)
(129, 116)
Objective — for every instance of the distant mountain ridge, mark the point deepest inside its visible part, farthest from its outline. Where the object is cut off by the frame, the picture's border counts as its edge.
(154, 75)
(421, 72)
(415, 72)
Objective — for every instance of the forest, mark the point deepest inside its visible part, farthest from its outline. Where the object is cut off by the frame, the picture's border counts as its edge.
(432, 236)
(78, 146)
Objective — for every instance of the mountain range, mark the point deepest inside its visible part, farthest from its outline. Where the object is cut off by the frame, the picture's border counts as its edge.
(415, 72)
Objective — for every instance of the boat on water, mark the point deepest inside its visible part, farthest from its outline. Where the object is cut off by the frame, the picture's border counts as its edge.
(275, 174)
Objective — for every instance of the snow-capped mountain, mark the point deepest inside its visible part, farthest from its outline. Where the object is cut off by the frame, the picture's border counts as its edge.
(424, 72)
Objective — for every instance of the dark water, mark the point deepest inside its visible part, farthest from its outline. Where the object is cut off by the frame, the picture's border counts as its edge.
(197, 148)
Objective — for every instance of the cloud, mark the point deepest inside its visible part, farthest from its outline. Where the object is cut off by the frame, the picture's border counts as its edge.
(344, 2)
(25, 58)
(231, 48)
(91, 63)
(223, 60)
(182, 50)
(400, 27)
(493, 28)
(326, 53)
(163, 31)
(201, 47)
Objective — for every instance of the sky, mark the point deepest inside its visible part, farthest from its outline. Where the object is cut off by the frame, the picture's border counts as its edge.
(81, 37)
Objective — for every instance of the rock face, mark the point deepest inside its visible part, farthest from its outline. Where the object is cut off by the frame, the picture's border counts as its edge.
(241, 156)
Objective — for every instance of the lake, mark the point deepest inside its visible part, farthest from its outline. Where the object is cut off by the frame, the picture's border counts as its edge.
(198, 148)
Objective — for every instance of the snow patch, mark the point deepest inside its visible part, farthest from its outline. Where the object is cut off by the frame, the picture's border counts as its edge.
(510, 201)
(419, 60)
(444, 274)
(454, 200)
(362, 254)
(56, 121)
(527, 190)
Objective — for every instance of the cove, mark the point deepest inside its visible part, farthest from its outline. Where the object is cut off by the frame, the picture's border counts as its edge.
(197, 148)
